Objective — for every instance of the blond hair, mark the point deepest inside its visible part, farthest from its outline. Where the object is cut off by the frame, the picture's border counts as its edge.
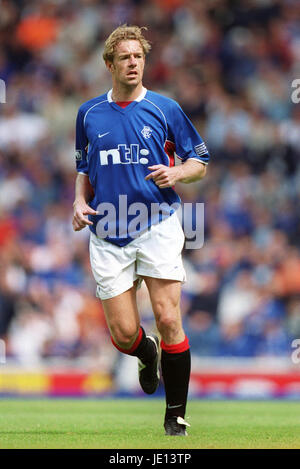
(123, 33)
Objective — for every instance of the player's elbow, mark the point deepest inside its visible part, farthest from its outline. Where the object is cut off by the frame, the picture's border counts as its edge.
(202, 171)
(197, 175)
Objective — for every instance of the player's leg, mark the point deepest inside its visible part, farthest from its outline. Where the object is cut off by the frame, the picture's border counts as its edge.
(122, 318)
(129, 337)
(114, 271)
(160, 259)
(175, 355)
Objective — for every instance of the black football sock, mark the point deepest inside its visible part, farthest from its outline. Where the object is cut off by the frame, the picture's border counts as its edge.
(143, 348)
(176, 369)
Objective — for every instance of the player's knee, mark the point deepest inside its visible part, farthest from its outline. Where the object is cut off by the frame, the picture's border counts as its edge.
(165, 307)
(168, 322)
(124, 337)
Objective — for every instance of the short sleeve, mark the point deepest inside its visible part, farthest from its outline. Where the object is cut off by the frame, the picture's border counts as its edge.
(81, 144)
(188, 142)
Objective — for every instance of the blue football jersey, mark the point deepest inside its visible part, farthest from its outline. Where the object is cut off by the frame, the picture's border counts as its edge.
(115, 146)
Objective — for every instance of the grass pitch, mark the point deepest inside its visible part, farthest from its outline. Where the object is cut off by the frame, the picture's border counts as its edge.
(134, 424)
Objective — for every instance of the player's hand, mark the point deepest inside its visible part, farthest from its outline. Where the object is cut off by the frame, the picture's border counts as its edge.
(81, 209)
(164, 176)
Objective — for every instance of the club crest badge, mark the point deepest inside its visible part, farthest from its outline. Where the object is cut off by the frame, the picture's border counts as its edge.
(146, 132)
(78, 155)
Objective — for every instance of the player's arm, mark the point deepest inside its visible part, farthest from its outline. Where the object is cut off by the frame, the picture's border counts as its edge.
(83, 194)
(191, 171)
(83, 188)
(164, 176)
(189, 147)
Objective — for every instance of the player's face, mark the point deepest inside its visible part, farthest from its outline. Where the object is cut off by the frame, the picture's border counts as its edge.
(127, 67)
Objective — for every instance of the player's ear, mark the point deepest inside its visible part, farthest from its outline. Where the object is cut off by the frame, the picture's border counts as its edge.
(109, 65)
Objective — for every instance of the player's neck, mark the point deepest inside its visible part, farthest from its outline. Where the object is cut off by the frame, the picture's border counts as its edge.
(120, 93)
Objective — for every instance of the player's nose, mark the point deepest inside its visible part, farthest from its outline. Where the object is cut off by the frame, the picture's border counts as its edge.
(132, 60)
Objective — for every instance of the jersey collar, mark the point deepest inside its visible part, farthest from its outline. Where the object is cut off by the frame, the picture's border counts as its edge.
(138, 99)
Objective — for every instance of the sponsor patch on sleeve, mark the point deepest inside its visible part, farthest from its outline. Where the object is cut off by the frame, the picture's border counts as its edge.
(201, 149)
(78, 155)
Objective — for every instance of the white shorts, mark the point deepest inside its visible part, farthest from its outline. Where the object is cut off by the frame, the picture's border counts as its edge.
(156, 253)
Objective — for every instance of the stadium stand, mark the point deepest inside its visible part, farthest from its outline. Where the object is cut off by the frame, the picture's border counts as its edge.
(231, 66)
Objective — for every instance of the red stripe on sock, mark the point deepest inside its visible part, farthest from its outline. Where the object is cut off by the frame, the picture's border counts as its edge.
(176, 348)
(130, 350)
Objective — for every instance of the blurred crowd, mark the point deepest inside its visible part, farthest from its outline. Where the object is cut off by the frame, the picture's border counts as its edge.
(230, 64)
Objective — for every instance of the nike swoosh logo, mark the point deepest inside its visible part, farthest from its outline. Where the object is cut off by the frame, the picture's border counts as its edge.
(174, 406)
(103, 135)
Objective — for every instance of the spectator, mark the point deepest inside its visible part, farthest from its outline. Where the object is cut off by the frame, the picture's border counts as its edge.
(230, 66)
